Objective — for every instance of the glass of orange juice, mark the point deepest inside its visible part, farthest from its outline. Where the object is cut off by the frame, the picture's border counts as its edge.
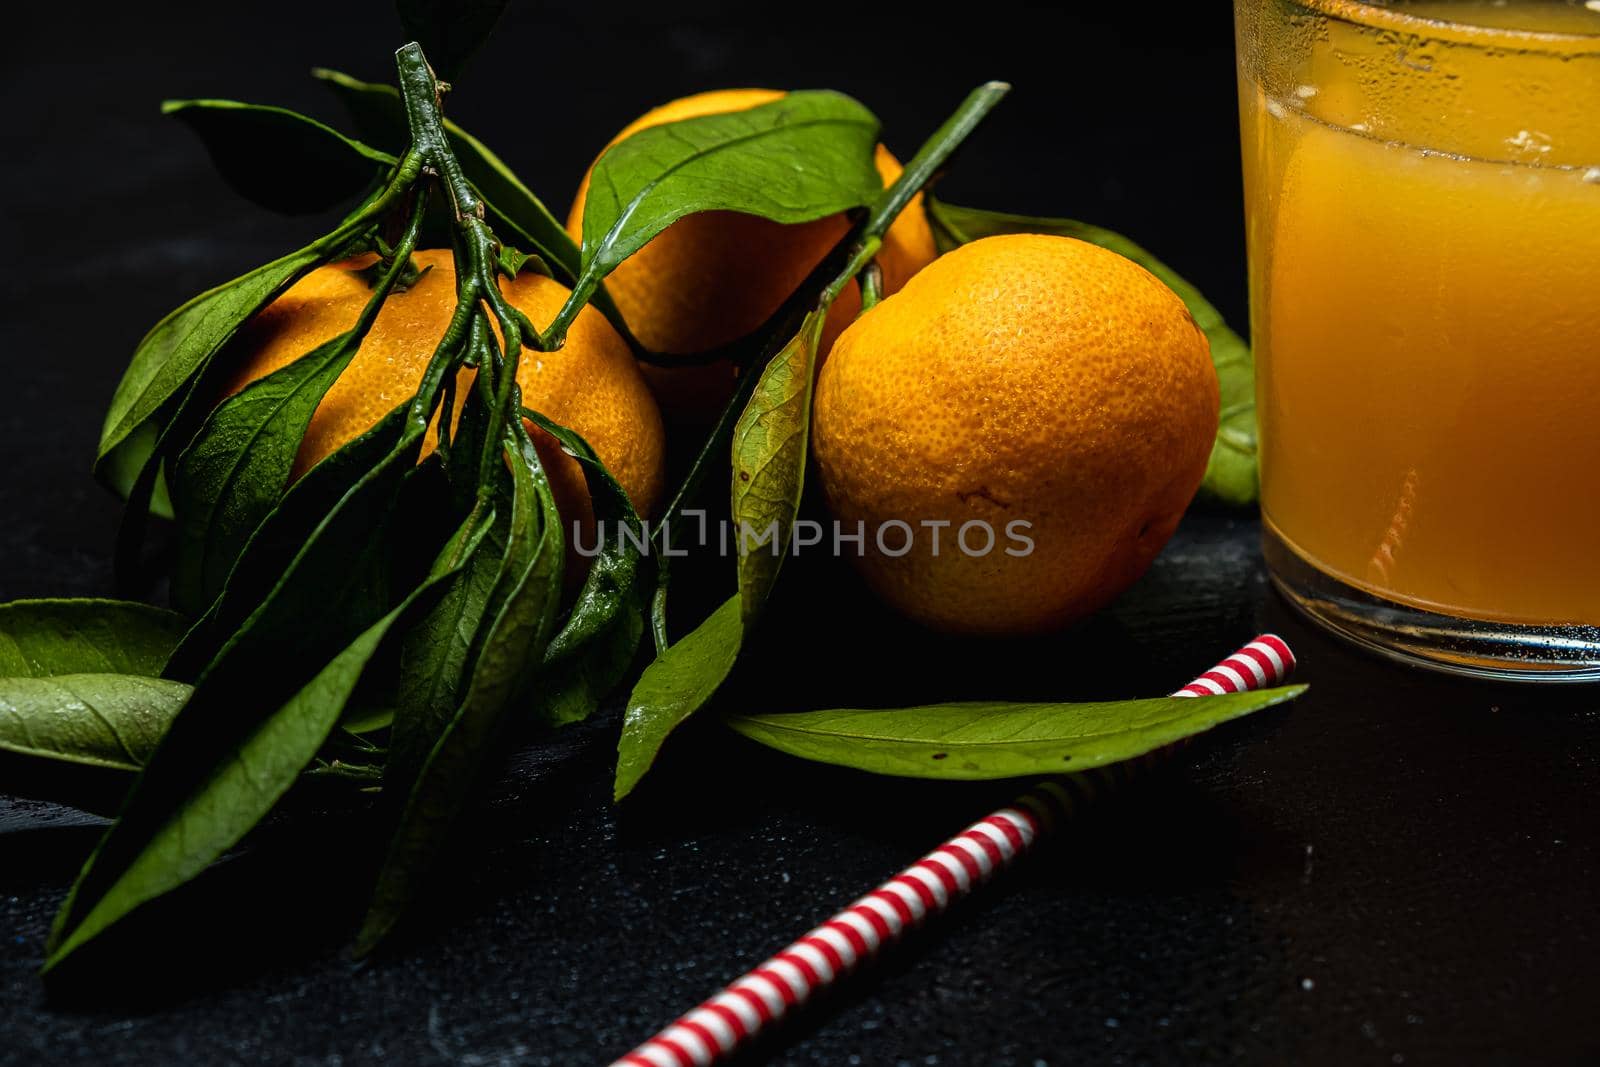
(1422, 187)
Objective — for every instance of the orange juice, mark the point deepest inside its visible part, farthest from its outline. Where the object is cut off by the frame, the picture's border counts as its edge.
(1423, 209)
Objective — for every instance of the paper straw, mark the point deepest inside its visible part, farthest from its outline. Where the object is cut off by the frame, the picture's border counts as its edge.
(866, 929)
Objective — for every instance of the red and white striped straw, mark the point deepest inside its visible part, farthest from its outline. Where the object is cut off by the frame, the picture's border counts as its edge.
(863, 931)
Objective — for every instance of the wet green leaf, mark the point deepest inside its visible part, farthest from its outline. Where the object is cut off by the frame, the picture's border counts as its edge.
(769, 464)
(339, 496)
(107, 721)
(121, 467)
(803, 157)
(281, 159)
(234, 472)
(41, 638)
(177, 349)
(514, 261)
(676, 685)
(591, 654)
(1231, 473)
(437, 652)
(981, 740)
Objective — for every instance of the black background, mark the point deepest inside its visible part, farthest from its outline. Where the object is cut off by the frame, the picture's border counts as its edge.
(1400, 869)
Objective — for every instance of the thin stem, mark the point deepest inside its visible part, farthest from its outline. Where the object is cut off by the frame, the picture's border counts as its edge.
(921, 170)
(420, 89)
(400, 183)
(364, 773)
(860, 259)
(555, 335)
(933, 155)
(442, 360)
(658, 614)
(871, 286)
(480, 353)
(447, 403)
(476, 252)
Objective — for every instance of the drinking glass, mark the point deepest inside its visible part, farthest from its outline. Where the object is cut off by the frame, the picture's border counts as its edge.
(1422, 188)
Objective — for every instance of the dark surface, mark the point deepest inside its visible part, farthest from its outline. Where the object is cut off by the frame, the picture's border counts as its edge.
(1398, 869)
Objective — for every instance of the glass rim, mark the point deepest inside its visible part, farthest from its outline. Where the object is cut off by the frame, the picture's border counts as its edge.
(1360, 13)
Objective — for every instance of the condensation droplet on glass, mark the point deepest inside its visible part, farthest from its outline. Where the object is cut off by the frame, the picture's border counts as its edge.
(1422, 61)
(1276, 109)
(1305, 92)
(1530, 141)
(1592, 175)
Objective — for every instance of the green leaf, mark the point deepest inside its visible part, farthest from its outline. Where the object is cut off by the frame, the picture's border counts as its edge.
(41, 638)
(769, 464)
(234, 472)
(450, 31)
(121, 467)
(804, 157)
(221, 767)
(676, 685)
(591, 654)
(175, 423)
(285, 534)
(178, 348)
(334, 586)
(982, 740)
(515, 214)
(366, 720)
(278, 158)
(436, 654)
(1231, 473)
(526, 595)
(513, 261)
(107, 721)
(80, 739)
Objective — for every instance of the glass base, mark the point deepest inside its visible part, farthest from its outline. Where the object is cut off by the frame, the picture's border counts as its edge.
(1499, 650)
